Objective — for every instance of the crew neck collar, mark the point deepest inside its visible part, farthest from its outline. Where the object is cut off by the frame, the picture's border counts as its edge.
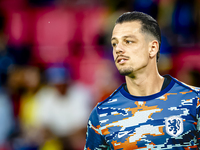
(149, 97)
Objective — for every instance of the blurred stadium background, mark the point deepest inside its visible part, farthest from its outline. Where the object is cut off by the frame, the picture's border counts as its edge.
(56, 63)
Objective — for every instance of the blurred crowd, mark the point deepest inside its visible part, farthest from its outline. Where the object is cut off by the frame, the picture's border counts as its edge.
(56, 63)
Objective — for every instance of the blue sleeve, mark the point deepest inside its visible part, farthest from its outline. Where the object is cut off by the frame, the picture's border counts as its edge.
(198, 122)
(94, 138)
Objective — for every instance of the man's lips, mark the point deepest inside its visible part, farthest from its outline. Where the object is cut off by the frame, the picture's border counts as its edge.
(121, 59)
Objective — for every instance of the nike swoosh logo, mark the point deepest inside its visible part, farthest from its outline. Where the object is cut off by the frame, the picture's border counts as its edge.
(121, 134)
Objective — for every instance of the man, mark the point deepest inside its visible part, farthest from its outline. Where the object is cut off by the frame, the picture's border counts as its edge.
(149, 111)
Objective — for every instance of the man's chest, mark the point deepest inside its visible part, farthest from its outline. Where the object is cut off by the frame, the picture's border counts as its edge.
(155, 125)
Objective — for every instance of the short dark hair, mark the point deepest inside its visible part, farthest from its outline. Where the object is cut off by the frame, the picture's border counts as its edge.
(148, 23)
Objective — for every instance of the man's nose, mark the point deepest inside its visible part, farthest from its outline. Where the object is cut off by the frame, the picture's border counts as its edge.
(119, 48)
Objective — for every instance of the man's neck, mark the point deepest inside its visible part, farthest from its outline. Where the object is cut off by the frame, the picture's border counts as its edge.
(144, 85)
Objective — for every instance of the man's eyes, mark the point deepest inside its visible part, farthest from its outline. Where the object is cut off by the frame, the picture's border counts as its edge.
(114, 44)
(128, 41)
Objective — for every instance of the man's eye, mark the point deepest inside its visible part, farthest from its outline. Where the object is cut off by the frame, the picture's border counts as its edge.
(114, 44)
(128, 42)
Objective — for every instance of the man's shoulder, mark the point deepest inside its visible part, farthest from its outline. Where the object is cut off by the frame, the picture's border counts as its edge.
(180, 86)
(112, 96)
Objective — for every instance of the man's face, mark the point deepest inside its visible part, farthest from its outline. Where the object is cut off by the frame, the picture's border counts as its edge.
(130, 48)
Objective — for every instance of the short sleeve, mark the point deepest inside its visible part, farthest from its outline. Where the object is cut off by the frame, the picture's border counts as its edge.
(198, 120)
(94, 137)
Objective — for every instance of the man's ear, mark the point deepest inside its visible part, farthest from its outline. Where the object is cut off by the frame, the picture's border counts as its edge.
(153, 48)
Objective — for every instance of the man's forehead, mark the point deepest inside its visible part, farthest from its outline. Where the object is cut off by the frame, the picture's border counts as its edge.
(126, 29)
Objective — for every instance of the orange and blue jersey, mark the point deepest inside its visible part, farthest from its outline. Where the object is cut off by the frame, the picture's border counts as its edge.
(165, 120)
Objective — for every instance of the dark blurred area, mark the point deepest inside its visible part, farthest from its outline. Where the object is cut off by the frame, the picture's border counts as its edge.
(56, 63)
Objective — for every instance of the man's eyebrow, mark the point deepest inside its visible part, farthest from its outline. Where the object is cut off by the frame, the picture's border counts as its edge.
(126, 36)
(113, 38)
(129, 36)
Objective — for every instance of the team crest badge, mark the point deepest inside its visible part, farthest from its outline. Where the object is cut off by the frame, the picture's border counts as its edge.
(174, 125)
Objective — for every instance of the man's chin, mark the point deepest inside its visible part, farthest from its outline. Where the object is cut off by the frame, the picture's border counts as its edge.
(125, 72)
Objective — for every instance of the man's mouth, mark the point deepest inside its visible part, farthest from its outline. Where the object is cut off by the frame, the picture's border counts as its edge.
(121, 59)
